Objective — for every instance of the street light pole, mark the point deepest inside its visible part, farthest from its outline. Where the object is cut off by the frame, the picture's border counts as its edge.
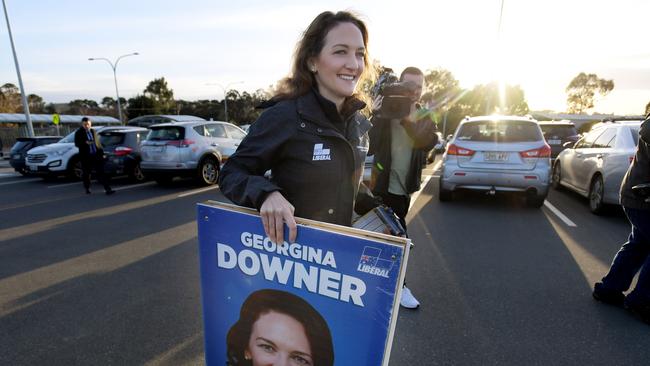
(114, 67)
(225, 96)
(30, 128)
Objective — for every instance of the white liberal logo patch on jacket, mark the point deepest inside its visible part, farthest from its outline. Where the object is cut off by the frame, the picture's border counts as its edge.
(320, 153)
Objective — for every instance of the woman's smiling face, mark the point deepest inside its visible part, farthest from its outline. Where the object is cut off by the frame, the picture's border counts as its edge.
(340, 63)
(278, 339)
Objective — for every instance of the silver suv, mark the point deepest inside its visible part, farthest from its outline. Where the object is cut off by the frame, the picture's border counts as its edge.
(196, 149)
(497, 153)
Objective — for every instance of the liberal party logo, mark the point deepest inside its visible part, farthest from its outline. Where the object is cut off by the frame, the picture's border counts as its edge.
(320, 153)
(371, 263)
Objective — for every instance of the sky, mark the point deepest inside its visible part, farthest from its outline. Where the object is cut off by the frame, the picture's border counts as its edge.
(248, 45)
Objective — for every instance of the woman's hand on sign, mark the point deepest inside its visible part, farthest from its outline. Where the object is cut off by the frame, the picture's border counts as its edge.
(275, 212)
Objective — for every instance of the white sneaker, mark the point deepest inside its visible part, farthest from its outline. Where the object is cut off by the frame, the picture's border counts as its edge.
(408, 300)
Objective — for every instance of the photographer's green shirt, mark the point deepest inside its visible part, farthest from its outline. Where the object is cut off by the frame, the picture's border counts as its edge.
(401, 149)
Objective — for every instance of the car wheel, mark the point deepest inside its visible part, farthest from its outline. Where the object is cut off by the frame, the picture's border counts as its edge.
(556, 176)
(74, 169)
(136, 174)
(596, 192)
(535, 201)
(444, 195)
(209, 171)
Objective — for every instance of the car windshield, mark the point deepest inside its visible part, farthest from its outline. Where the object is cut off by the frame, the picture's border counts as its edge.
(166, 133)
(499, 131)
(111, 139)
(69, 138)
(558, 131)
(21, 145)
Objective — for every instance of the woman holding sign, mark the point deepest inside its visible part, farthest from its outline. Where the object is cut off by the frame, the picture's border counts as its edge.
(279, 328)
(313, 137)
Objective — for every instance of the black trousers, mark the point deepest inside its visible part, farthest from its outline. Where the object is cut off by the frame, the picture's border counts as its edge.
(94, 162)
(399, 204)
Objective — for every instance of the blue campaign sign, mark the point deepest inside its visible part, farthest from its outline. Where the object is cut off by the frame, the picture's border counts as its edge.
(331, 298)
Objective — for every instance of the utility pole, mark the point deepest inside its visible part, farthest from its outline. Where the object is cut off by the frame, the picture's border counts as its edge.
(28, 117)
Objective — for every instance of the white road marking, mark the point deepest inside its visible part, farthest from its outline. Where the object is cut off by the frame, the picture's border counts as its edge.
(197, 191)
(9, 175)
(559, 214)
(79, 183)
(415, 195)
(19, 181)
(134, 186)
(94, 182)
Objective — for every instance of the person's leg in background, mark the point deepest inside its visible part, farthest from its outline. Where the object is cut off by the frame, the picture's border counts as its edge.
(633, 256)
(86, 169)
(101, 176)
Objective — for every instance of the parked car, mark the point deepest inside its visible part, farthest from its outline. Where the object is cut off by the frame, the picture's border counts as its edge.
(18, 152)
(154, 119)
(60, 158)
(557, 134)
(196, 149)
(595, 165)
(122, 151)
(438, 149)
(497, 154)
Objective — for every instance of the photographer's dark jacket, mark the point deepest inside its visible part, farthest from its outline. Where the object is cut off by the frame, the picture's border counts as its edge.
(424, 138)
(638, 172)
(316, 158)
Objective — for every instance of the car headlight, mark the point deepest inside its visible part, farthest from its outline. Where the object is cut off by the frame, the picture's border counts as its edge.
(60, 152)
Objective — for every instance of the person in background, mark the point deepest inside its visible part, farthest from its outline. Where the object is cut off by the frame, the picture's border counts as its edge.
(91, 155)
(400, 148)
(634, 255)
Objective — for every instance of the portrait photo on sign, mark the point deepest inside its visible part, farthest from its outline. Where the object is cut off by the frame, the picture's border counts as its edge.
(279, 328)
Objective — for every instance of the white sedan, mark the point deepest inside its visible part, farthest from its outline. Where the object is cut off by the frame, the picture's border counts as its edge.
(595, 166)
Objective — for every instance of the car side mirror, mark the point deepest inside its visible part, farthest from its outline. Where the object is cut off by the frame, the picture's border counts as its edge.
(449, 137)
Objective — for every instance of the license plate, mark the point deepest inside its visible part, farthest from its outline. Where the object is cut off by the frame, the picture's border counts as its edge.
(554, 142)
(33, 168)
(495, 156)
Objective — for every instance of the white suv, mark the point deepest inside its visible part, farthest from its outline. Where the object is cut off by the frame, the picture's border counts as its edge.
(60, 158)
(196, 149)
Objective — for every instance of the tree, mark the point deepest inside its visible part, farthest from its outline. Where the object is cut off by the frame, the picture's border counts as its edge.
(162, 97)
(141, 105)
(582, 89)
(10, 99)
(83, 107)
(485, 100)
(440, 89)
(108, 103)
(36, 103)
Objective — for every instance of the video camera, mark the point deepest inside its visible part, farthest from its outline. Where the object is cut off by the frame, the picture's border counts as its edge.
(397, 95)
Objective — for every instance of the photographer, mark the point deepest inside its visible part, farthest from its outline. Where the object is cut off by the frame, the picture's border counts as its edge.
(634, 255)
(399, 142)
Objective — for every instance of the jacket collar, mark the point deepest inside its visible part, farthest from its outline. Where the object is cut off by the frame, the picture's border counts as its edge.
(316, 108)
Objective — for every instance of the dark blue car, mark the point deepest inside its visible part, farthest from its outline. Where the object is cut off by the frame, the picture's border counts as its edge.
(122, 151)
(22, 145)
